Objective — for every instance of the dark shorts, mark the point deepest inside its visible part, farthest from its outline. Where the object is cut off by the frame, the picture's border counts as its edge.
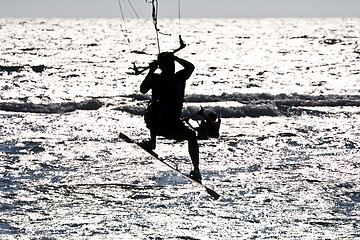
(163, 120)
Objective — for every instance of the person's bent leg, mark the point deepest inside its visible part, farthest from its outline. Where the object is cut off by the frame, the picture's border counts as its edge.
(194, 154)
(193, 148)
(153, 139)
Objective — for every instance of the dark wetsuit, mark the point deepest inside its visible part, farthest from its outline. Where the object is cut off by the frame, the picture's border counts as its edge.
(164, 112)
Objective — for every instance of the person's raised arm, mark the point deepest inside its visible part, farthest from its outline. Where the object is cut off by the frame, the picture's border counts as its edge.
(147, 83)
(188, 66)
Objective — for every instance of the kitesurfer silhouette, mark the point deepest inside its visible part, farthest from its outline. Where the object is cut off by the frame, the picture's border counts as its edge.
(163, 116)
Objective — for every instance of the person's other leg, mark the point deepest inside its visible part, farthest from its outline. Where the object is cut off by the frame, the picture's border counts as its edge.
(193, 147)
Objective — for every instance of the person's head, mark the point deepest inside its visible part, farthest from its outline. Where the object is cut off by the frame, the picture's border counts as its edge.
(212, 116)
(166, 62)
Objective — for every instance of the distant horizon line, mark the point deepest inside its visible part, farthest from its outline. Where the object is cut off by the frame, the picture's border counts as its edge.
(175, 18)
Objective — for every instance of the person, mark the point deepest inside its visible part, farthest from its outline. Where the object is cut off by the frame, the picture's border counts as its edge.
(209, 127)
(163, 116)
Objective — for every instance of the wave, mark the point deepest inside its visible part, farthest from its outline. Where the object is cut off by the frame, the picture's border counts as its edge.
(249, 110)
(291, 100)
(92, 104)
(237, 105)
(233, 105)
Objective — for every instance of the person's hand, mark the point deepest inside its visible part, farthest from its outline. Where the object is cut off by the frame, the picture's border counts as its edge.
(201, 110)
(182, 43)
(153, 65)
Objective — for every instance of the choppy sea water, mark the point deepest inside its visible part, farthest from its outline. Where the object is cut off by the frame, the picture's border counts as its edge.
(286, 164)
